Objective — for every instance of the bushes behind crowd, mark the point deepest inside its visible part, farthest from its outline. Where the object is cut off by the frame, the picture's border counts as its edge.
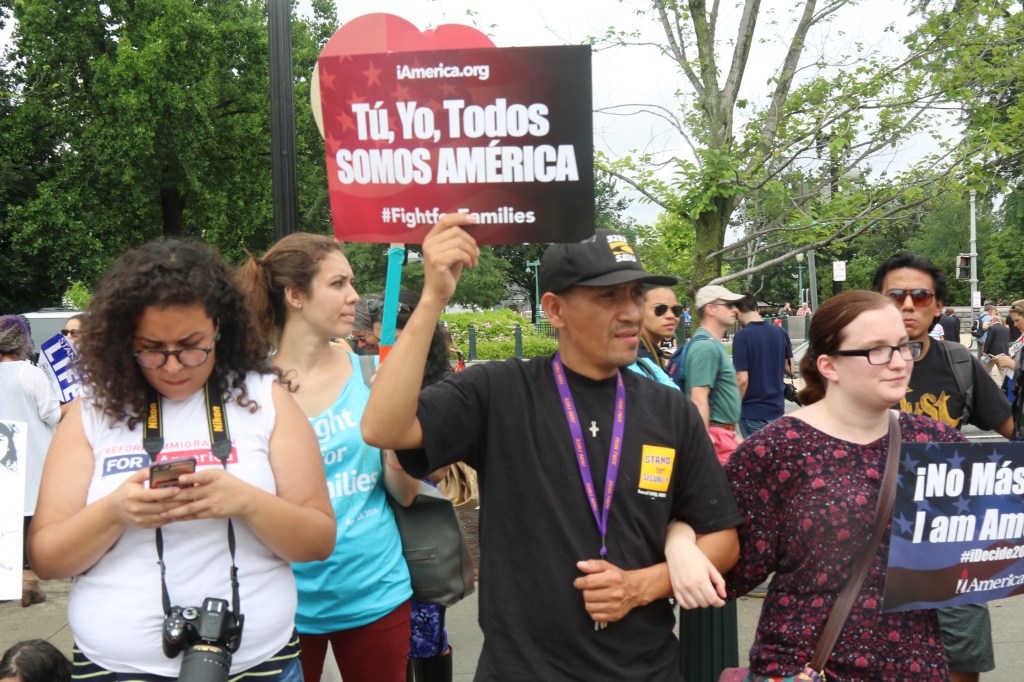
(495, 334)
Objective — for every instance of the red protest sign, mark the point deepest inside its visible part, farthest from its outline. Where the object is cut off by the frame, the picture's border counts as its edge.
(504, 133)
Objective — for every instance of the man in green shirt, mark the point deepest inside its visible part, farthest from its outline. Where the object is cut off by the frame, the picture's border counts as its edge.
(710, 375)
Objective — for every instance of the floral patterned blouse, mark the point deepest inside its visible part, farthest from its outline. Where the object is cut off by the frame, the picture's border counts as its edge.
(808, 501)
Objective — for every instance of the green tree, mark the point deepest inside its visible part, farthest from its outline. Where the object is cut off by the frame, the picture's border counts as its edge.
(1009, 242)
(609, 213)
(805, 154)
(480, 287)
(135, 120)
(973, 51)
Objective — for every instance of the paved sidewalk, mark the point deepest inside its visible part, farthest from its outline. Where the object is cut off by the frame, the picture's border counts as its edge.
(48, 621)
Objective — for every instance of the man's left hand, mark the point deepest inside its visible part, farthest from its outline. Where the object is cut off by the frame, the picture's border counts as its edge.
(609, 592)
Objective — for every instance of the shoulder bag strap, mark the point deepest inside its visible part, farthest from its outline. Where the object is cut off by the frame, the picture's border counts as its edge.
(886, 499)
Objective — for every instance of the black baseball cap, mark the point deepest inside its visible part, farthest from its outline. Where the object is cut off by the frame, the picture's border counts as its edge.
(606, 259)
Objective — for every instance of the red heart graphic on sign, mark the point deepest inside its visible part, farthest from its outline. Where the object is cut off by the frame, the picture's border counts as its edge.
(379, 32)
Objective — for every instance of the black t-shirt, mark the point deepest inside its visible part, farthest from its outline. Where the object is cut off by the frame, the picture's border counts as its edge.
(933, 392)
(506, 419)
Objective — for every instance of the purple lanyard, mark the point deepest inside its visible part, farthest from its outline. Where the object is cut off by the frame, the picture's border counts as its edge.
(614, 454)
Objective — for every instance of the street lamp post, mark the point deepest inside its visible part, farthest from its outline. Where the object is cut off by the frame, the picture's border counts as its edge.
(284, 178)
(800, 277)
(535, 265)
(975, 298)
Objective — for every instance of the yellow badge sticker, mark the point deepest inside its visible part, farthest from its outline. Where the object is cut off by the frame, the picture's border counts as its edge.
(656, 470)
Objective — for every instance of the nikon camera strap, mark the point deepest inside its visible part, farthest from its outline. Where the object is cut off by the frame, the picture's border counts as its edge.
(220, 444)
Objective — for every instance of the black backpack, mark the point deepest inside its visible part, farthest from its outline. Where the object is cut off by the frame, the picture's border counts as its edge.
(960, 359)
(977, 331)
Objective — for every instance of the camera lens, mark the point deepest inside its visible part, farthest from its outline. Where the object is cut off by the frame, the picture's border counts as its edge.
(205, 663)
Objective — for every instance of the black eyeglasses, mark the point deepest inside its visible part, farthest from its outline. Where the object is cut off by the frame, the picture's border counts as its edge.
(193, 356)
(921, 297)
(882, 355)
(73, 333)
(662, 308)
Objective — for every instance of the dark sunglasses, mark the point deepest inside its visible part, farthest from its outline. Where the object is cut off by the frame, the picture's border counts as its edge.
(921, 297)
(73, 333)
(661, 308)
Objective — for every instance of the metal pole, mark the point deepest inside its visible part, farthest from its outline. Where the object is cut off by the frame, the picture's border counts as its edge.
(800, 281)
(975, 299)
(812, 277)
(285, 192)
(535, 265)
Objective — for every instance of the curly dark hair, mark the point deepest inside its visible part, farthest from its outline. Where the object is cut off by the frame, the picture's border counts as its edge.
(161, 274)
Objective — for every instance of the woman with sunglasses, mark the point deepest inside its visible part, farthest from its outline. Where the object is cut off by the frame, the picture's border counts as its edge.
(661, 316)
(808, 486)
(73, 329)
(176, 369)
(302, 291)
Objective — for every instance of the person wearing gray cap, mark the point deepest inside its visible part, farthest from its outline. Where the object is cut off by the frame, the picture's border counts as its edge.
(583, 469)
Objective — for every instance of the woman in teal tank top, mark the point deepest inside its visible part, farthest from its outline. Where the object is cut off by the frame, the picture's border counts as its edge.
(357, 600)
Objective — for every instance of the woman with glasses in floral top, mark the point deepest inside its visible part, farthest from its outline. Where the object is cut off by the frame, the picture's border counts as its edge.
(808, 484)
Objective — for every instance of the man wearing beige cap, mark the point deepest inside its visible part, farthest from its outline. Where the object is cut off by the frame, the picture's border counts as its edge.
(705, 370)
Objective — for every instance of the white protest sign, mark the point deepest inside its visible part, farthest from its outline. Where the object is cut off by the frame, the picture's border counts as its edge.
(13, 450)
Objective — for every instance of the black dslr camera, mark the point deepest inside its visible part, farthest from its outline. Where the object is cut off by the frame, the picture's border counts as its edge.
(208, 635)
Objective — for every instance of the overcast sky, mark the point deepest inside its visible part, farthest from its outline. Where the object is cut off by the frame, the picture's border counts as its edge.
(641, 75)
(638, 75)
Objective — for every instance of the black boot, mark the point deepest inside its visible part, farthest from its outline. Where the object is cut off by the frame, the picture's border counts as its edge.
(437, 668)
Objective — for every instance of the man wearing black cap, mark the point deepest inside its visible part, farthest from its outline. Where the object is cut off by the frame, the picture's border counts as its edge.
(582, 466)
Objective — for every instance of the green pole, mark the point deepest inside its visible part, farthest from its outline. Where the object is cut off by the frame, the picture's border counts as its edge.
(535, 265)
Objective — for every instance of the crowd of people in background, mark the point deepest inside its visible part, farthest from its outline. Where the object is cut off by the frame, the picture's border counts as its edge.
(176, 347)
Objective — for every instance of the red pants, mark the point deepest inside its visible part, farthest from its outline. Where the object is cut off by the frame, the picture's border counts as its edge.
(375, 652)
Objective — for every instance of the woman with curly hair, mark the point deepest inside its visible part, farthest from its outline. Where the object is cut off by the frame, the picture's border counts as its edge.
(25, 397)
(358, 599)
(175, 368)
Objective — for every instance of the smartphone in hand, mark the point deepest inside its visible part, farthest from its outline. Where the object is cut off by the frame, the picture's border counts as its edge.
(165, 474)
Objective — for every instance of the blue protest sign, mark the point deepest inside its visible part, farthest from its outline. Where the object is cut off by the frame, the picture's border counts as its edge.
(957, 527)
(57, 359)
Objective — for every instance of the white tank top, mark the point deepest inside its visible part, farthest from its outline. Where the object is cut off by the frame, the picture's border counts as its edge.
(115, 609)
